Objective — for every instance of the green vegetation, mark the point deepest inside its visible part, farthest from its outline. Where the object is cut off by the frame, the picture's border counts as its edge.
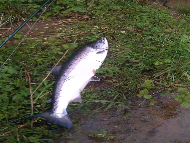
(184, 9)
(148, 51)
(102, 135)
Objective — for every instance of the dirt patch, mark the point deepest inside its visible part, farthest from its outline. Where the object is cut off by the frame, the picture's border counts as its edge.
(170, 4)
(174, 6)
(42, 28)
(163, 122)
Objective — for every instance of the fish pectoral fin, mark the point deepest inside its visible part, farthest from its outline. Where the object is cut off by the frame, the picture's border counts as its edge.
(77, 99)
(95, 78)
(56, 70)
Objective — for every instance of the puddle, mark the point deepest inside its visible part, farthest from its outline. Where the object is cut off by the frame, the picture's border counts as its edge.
(165, 122)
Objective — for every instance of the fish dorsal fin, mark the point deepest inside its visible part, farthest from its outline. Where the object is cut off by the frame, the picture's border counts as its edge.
(55, 70)
(95, 78)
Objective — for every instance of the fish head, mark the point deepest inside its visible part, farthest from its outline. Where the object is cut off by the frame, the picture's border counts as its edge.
(100, 45)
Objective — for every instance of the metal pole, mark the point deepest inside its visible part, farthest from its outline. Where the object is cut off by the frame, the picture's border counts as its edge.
(10, 36)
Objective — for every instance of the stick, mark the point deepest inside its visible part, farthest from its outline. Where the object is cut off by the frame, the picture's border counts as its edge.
(49, 73)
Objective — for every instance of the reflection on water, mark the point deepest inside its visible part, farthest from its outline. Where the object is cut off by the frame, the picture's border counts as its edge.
(165, 122)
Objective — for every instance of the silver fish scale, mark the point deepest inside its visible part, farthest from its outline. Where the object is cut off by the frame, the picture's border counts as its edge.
(76, 76)
(72, 78)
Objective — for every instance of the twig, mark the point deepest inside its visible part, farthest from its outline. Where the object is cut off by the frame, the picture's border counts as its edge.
(4, 128)
(49, 74)
(40, 95)
(6, 28)
(45, 94)
(31, 95)
(12, 130)
(20, 126)
(3, 23)
(26, 23)
(142, 102)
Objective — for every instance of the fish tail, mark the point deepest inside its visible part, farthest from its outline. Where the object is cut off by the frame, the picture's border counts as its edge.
(64, 120)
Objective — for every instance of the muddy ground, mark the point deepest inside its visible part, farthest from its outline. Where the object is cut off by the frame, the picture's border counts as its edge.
(165, 122)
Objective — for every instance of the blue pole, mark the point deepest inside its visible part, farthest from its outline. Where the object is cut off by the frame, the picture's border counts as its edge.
(10, 36)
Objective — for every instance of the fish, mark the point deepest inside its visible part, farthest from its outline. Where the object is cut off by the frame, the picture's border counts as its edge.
(72, 78)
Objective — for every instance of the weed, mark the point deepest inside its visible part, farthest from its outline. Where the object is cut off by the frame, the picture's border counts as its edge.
(184, 10)
(103, 134)
(184, 97)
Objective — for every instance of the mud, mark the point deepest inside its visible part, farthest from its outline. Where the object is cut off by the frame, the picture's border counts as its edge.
(165, 122)
(173, 6)
(42, 29)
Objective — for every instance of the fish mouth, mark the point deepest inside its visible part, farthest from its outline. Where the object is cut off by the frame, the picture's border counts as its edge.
(100, 45)
(104, 40)
(101, 52)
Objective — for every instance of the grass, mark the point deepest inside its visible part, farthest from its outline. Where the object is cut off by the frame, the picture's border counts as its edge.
(184, 10)
(102, 135)
(148, 51)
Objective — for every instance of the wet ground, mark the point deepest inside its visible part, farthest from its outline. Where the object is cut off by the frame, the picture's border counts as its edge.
(165, 122)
